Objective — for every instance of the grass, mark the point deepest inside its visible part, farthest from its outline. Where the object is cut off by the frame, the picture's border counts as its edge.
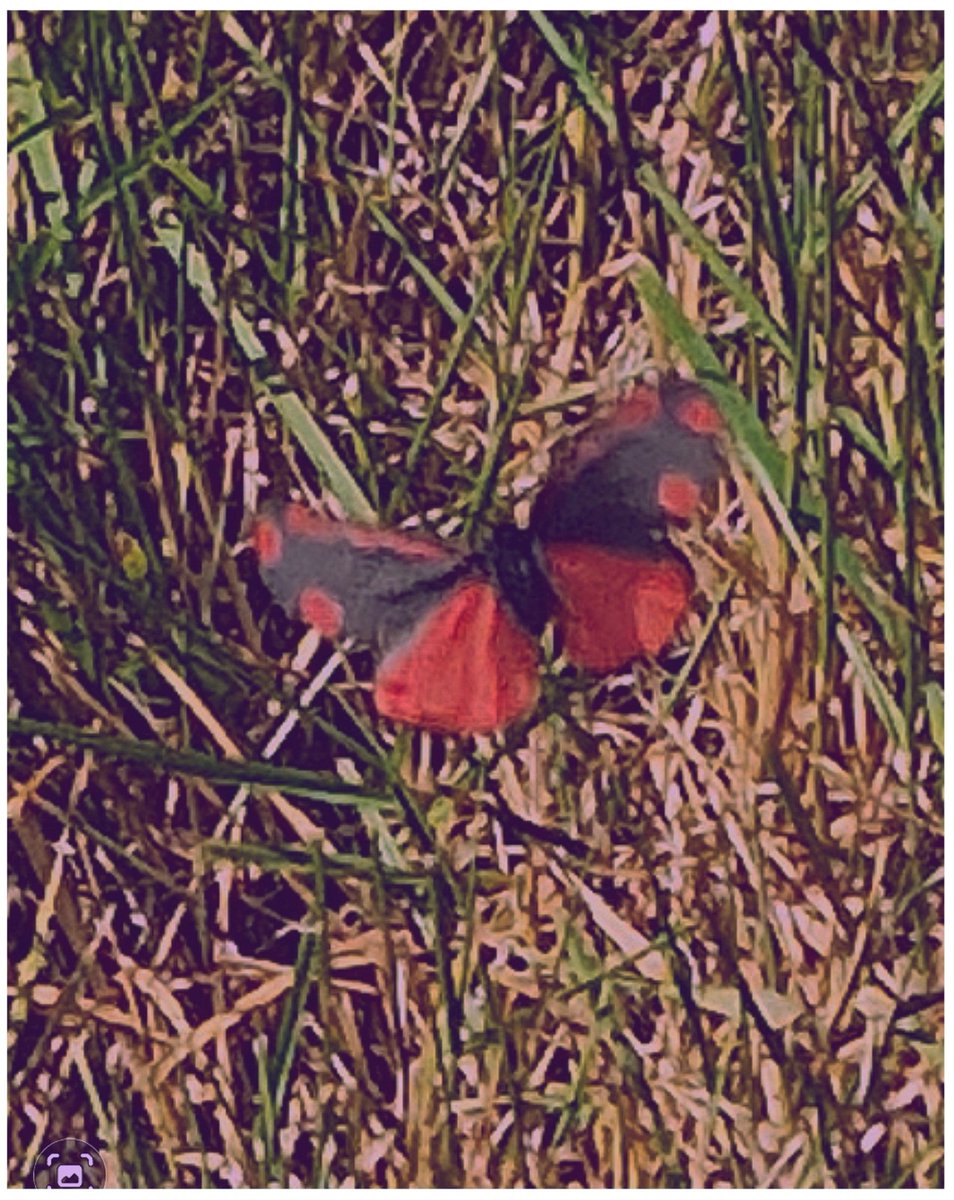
(683, 926)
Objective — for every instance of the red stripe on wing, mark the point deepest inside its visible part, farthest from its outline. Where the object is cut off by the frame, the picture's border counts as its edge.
(304, 522)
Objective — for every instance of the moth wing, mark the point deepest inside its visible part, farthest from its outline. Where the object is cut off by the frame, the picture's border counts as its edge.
(347, 580)
(455, 659)
(467, 667)
(615, 605)
(649, 461)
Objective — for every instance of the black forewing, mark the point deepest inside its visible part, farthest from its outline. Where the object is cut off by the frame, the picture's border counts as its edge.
(384, 583)
(611, 497)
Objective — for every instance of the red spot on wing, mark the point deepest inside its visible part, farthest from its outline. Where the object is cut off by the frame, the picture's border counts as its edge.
(467, 668)
(639, 406)
(615, 605)
(305, 523)
(267, 541)
(698, 413)
(322, 611)
(678, 494)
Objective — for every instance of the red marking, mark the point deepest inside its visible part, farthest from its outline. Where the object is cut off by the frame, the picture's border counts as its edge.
(404, 544)
(267, 540)
(639, 406)
(615, 605)
(321, 611)
(304, 523)
(467, 668)
(678, 494)
(698, 413)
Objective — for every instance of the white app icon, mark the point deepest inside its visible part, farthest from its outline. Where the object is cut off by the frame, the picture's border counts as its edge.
(69, 1175)
(69, 1163)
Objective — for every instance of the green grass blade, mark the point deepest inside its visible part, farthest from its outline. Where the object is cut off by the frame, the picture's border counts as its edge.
(204, 766)
(27, 109)
(580, 74)
(748, 432)
(875, 689)
(327, 461)
(726, 273)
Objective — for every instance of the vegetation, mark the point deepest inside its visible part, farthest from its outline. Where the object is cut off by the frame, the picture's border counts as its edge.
(681, 928)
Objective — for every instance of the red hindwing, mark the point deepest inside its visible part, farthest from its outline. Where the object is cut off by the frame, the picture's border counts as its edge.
(468, 667)
(616, 604)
